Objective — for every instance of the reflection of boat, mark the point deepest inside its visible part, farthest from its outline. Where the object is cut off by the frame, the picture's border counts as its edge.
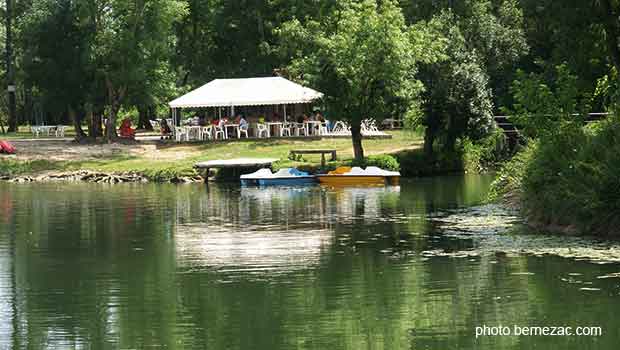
(277, 193)
(345, 176)
(283, 177)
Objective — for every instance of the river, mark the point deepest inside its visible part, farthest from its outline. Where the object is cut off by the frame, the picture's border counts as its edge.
(419, 266)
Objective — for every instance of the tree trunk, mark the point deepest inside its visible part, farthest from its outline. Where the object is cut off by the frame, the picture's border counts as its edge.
(356, 137)
(110, 126)
(12, 119)
(143, 118)
(115, 97)
(28, 104)
(450, 143)
(76, 120)
(94, 125)
(429, 140)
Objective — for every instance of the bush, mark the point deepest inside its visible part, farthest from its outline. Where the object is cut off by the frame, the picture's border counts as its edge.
(417, 163)
(569, 180)
(507, 183)
(469, 156)
(383, 161)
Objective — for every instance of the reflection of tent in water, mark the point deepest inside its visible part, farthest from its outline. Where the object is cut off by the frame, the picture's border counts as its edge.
(253, 250)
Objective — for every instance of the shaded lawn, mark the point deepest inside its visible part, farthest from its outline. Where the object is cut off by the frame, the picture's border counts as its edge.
(189, 154)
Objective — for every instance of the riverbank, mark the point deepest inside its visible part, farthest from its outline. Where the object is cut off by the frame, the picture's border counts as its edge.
(54, 160)
(567, 183)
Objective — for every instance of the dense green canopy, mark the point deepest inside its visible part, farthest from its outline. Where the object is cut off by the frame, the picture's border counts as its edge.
(446, 65)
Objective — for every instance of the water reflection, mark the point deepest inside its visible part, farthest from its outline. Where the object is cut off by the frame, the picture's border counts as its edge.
(138, 266)
(233, 250)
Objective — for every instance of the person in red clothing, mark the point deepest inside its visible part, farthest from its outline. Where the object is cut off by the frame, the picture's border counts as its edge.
(125, 130)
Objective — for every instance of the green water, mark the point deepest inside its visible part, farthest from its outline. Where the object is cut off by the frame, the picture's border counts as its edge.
(221, 267)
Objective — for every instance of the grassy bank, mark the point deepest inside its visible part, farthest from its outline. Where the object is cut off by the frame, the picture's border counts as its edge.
(169, 161)
(568, 182)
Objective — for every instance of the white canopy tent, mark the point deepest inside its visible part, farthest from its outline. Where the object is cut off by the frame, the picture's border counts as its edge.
(246, 92)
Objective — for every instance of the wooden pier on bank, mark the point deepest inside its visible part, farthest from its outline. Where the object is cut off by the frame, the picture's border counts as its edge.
(238, 166)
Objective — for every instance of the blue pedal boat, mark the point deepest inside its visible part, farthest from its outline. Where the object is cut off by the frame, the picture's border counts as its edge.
(283, 177)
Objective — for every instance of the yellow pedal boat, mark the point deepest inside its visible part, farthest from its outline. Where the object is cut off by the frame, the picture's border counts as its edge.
(371, 176)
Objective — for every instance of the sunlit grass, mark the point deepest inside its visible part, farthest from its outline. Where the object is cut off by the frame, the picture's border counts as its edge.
(191, 153)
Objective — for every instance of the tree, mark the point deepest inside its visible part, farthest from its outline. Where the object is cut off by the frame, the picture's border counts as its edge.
(458, 98)
(493, 29)
(133, 40)
(543, 108)
(363, 57)
(59, 67)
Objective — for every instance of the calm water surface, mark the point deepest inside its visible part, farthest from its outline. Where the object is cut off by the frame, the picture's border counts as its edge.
(222, 267)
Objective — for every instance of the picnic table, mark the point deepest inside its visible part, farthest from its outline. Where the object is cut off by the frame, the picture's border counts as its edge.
(322, 152)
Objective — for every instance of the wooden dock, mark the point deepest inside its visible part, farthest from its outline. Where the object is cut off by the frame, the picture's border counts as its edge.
(238, 166)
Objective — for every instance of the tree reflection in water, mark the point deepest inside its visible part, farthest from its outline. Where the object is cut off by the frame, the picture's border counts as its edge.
(181, 267)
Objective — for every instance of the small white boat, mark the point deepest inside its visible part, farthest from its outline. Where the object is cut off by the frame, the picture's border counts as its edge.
(283, 177)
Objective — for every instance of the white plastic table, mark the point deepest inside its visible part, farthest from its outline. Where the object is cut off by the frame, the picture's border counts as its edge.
(234, 126)
(276, 125)
(311, 124)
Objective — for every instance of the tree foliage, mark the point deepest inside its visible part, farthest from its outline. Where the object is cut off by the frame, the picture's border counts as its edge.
(458, 96)
(542, 109)
(364, 58)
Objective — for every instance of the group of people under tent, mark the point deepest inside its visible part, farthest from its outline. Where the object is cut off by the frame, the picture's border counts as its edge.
(126, 131)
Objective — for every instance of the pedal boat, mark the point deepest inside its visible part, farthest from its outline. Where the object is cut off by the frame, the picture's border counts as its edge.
(356, 176)
(283, 177)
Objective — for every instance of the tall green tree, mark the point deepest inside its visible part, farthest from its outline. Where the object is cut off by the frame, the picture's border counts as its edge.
(59, 64)
(458, 98)
(363, 57)
(133, 39)
(493, 29)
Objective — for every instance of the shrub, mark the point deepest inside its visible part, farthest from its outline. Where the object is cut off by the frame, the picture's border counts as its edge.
(568, 180)
(383, 161)
(507, 183)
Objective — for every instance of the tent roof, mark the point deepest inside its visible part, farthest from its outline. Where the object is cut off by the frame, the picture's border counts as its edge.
(246, 92)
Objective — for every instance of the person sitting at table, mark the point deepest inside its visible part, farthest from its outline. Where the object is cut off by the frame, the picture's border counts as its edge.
(166, 132)
(319, 117)
(300, 118)
(243, 124)
(125, 130)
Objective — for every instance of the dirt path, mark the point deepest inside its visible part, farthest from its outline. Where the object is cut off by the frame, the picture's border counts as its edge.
(64, 150)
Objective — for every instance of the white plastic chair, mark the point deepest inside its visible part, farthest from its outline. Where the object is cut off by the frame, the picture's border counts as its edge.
(180, 134)
(243, 130)
(341, 128)
(262, 129)
(300, 128)
(219, 131)
(155, 124)
(285, 129)
(206, 132)
(323, 129)
(36, 130)
(60, 131)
